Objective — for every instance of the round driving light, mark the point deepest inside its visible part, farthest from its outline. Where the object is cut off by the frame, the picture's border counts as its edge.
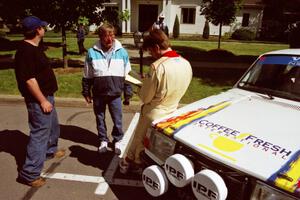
(207, 184)
(155, 180)
(179, 170)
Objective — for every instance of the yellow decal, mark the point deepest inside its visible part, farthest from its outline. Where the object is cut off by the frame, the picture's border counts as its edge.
(291, 177)
(169, 126)
(217, 152)
(225, 143)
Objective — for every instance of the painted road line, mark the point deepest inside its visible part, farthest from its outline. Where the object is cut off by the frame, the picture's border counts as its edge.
(113, 166)
(128, 135)
(102, 188)
(74, 177)
(103, 182)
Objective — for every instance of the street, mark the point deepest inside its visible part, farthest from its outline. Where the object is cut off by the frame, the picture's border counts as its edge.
(81, 174)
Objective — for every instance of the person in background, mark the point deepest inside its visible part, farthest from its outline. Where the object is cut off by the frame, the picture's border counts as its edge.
(107, 64)
(160, 24)
(37, 84)
(80, 39)
(161, 91)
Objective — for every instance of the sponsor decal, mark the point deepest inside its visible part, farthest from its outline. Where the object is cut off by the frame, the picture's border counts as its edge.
(205, 191)
(280, 60)
(295, 61)
(172, 125)
(151, 183)
(177, 174)
(230, 140)
(288, 176)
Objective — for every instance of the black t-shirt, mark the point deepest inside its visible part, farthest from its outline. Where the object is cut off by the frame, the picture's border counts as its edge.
(31, 62)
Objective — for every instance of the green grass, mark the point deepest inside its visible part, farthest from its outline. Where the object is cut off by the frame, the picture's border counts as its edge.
(70, 86)
(69, 81)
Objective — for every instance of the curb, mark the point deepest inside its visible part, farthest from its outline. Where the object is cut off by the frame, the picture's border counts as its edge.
(66, 102)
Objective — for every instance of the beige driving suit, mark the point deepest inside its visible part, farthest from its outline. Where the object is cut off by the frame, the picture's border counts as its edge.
(162, 89)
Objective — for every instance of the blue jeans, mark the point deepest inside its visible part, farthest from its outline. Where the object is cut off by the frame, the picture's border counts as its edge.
(43, 139)
(115, 110)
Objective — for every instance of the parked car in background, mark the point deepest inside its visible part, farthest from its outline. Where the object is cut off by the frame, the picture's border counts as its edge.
(241, 144)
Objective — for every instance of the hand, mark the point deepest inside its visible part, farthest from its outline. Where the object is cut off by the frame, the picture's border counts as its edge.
(126, 102)
(46, 106)
(88, 99)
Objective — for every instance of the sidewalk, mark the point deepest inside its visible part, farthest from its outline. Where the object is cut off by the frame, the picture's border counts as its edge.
(66, 102)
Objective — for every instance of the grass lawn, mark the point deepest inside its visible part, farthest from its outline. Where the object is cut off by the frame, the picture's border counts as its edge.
(69, 83)
(69, 80)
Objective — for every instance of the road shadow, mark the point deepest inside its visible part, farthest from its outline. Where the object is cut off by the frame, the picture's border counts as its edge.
(214, 55)
(91, 157)
(14, 142)
(78, 135)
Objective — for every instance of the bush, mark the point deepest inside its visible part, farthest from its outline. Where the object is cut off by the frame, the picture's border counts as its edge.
(243, 34)
(293, 36)
(176, 28)
(206, 30)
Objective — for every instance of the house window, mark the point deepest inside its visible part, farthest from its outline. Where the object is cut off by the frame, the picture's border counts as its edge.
(188, 15)
(245, 21)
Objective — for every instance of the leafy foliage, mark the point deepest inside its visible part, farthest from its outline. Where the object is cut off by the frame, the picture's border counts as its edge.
(176, 28)
(124, 15)
(243, 34)
(205, 34)
(220, 12)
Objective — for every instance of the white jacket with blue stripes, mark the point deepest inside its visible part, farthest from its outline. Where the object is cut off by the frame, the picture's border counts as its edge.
(106, 78)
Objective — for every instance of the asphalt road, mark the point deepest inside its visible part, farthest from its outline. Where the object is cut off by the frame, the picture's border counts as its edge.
(81, 174)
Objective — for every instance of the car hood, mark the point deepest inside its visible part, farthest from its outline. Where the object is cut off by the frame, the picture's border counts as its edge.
(250, 132)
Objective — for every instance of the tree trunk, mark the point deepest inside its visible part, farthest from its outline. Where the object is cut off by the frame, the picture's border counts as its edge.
(64, 47)
(220, 34)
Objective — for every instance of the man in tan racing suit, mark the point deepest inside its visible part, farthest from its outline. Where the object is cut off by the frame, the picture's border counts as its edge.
(161, 91)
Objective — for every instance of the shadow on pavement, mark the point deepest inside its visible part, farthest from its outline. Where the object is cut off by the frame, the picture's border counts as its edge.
(91, 157)
(78, 135)
(14, 142)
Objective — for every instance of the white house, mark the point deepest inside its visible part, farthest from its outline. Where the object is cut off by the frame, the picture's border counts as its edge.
(144, 13)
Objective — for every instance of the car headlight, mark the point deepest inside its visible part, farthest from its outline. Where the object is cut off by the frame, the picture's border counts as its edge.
(160, 145)
(265, 192)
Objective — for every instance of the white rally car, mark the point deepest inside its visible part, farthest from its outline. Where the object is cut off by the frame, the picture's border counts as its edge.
(241, 144)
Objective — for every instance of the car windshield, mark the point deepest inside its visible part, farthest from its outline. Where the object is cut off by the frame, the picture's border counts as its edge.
(274, 75)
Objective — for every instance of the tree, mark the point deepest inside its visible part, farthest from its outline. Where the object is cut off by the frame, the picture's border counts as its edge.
(220, 12)
(61, 13)
(176, 31)
(124, 16)
(205, 34)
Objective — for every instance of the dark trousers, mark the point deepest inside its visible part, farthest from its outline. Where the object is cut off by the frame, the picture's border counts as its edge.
(81, 46)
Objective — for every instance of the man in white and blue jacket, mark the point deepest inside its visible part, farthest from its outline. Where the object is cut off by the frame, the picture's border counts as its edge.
(107, 64)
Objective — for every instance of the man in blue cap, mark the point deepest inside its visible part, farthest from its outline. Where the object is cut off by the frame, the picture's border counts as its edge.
(37, 84)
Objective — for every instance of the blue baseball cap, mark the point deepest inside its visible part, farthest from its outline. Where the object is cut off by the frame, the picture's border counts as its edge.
(31, 23)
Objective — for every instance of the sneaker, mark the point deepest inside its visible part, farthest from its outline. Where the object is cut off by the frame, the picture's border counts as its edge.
(103, 147)
(118, 148)
(35, 183)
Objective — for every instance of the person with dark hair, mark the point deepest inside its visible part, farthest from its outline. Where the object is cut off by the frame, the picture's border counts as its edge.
(37, 84)
(161, 91)
(80, 38)
(160, 24)
(107, 64)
